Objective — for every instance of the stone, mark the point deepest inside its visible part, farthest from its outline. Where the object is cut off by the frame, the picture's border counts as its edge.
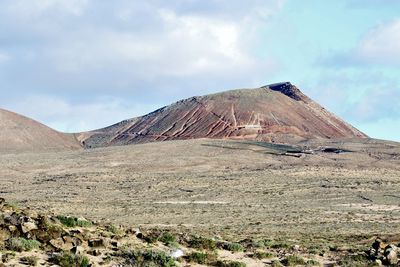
(12, 228)
(58, 243)
(94, 243)
(73, 240)
(4, 235)
(77, 250)
(177, 253)
(94, 252)
(372, 252)
(139, 235)
(28, 226)
(28, 212)
(378, 262)
(378, 244)
(391, 254)
(11, 219)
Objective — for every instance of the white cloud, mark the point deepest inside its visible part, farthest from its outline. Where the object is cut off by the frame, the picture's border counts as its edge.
(4, 57)
(28, 9)
(186, 45)
(381, 45)
(73, 117)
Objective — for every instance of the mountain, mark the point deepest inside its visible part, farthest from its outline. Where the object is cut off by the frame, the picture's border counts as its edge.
(275, 113)
(21, 134)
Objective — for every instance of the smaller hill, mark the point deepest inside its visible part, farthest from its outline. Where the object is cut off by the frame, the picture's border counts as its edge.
(21, 134)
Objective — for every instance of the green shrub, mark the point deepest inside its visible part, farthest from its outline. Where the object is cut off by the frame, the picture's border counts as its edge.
(230, 264)
(113, 229)
(293, 260)
(263, 255)
(355, 261)
(201, 258)
(279, 245)
(67, 259)
(257, 244)
(202, 243)
(167, 239)
(30, 260)
(312, 263)
(73, 221)
(234, 247)
(148, 258)
(21, 244)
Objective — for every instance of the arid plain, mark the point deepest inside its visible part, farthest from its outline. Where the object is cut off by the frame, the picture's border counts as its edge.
(237, 189)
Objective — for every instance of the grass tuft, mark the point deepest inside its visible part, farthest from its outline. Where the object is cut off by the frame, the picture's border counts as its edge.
(201, 258)
(167, 239)
(73, 221)
(234, 247)
(30, 260)
(21, 244)
(67, 259)
(202, 243)
(148, 258)
(230, 264)
(293, 260)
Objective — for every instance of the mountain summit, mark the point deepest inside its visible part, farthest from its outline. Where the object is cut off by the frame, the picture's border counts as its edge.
(276, 113)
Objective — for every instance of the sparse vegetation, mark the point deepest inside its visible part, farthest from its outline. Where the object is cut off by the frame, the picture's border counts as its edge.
(313, 262)
(151, 238)
(167, 239)
(230, 264)
(202, 243)
(113, 229)
(357, 260)
(234, 247)
(279, 245)
(67, 259)
(21, 244)
(201, 258)
(293, 260)
(73, 221)
(262, 255)
(30, 260)
(148, 258)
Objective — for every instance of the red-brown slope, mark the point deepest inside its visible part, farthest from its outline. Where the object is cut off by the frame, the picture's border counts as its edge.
(21, 134)
(278, 112)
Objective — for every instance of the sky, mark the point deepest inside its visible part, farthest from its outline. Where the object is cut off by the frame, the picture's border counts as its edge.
(78, 65)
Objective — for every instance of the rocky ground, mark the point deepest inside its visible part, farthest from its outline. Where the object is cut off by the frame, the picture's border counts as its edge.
(43, 239)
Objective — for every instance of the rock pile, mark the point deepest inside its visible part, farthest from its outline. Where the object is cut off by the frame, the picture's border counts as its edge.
(384, 254)
(23, 230)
